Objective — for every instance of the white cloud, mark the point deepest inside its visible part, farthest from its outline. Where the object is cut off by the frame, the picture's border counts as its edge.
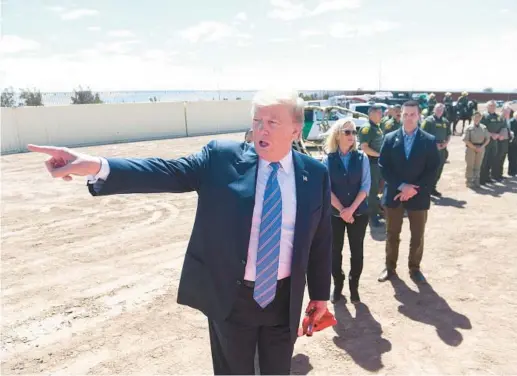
(104, 73)
(342, 30)
(57, 9)
(310, 33)
(241, 16)
(335, 5)
(103, 48)
(12, 44)
(120, 33)
(288, 10)
(78, 13)
(94, 28)
(280, 40)
(211, 31)
(158, 54)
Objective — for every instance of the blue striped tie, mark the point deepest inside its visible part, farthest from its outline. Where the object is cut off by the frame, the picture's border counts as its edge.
(268, 251)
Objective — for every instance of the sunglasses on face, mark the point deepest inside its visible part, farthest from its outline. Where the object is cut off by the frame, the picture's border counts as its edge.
(348, 132)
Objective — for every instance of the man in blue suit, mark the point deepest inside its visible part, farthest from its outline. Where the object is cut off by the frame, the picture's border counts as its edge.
(262, 230)
(409, 160)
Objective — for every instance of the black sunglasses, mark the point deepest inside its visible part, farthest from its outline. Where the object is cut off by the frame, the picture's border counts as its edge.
(348, 132)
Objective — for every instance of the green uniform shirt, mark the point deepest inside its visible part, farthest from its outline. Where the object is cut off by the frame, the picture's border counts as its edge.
(493, 122)
(384, 120)
(391, 126)
(372, 135)
(439, 128)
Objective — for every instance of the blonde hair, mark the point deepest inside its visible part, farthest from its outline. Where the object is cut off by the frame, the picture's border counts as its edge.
(332, 140)
(270, 97)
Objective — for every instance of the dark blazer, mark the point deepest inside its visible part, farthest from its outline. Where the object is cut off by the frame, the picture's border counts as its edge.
(223, 174)
(420, 169)
(513, 128)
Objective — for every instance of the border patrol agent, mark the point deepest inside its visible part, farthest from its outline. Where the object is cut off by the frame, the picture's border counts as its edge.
(371, 139)
(394, 123)
(438, 126)
(494, 123)
(476, 138)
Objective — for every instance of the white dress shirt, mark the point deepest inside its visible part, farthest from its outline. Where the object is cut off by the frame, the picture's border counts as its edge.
(287, 183)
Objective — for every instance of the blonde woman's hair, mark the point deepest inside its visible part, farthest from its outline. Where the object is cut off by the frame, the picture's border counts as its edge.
(332, 140)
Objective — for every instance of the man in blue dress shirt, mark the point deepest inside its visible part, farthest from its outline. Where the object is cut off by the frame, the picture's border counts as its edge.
(409, 160)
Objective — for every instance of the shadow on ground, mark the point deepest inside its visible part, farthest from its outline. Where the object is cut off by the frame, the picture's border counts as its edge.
(427, 307)
(300, 365)
(360, 336)
(378, 233)
(496, 189)
(448, 201)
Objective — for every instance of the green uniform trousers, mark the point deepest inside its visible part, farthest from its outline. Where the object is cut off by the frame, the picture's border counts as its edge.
(502, 152)
(373, 196)
(443, 157)
(489, 158)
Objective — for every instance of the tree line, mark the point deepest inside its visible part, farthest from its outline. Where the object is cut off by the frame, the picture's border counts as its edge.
(28, 97)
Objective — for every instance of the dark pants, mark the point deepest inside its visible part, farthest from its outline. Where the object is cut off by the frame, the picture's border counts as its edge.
(512, 158)
(356, 232)
(417, 221)
(249, 328)
(373, 198)
(443, 156)
(488, 164)
(502, 151)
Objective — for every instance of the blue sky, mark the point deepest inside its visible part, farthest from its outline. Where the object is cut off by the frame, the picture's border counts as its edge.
(56, 45)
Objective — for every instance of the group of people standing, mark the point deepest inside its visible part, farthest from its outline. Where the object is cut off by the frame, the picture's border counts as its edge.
(407, 160)
(393, 153)
(270, 222)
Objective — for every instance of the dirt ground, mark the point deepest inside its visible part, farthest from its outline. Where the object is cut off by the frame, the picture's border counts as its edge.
(89, 284)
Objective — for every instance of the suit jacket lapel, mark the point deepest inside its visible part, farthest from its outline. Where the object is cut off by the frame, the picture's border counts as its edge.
(302, 205)
(398, 144)
(247, 167)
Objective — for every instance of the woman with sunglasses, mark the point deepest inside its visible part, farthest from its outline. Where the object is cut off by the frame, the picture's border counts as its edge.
(350, 180)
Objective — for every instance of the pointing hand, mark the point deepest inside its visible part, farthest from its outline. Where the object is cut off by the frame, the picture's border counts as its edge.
(65, 162)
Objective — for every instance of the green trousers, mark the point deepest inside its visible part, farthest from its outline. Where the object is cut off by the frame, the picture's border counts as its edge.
(443, 157)
(489, 159)
(502, 151)
(373, 197)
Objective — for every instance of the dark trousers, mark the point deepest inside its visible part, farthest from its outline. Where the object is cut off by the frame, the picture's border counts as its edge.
(488, 163)
(356, 232)
(417, 221)
(249, 328)
(512, 158)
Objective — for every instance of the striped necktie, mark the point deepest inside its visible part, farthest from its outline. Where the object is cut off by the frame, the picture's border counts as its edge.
(268, 252)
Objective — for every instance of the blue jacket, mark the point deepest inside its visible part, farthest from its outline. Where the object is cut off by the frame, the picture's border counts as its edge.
(223, 174)
(419, 169)
(346, 183)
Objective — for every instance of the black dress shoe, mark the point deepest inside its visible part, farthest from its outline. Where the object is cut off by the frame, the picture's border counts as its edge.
(337, 293)
(417, 276)
(435, 193)
(386, 274)
(353, 285)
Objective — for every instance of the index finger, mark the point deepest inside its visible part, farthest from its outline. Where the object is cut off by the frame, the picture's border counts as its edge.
(50, 150)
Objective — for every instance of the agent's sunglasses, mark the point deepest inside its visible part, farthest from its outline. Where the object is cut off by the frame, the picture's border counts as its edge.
(348, 132)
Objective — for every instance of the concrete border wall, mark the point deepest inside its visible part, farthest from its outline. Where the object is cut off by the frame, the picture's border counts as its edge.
(94, 124)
